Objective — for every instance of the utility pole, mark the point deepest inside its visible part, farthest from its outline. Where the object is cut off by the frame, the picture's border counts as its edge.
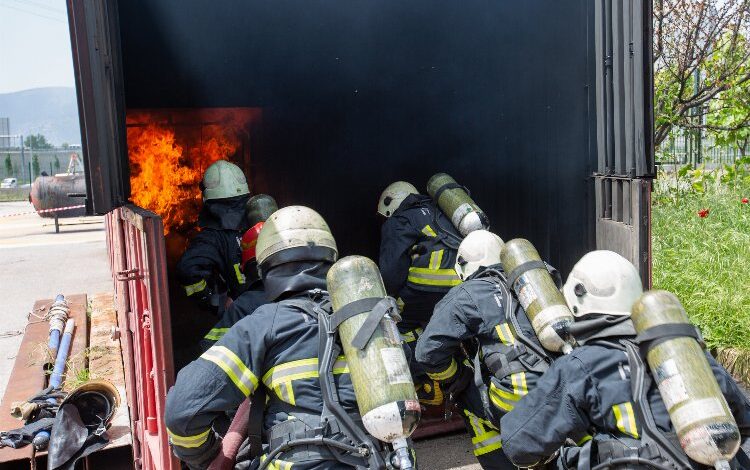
(23, 162)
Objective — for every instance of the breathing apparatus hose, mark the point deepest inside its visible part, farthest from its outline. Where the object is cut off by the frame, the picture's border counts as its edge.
(631, 460)
(316, 441)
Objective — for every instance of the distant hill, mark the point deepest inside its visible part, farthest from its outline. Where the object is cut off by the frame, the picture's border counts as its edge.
(52, 112)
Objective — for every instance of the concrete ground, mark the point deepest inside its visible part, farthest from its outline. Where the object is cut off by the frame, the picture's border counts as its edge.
(37, 263)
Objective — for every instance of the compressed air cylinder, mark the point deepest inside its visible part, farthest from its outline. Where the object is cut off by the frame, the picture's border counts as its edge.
(699, 412)
(539, 296)
(380, 373)
(456, 203)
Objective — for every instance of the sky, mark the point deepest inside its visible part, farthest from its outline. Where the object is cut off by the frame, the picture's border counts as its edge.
(34, 45)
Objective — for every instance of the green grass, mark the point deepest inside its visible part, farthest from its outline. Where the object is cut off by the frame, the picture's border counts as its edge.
(20, 194)
(706, 261)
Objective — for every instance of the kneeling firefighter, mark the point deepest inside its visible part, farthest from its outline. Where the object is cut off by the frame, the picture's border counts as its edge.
(258, 209)
(622, 411)
(417, 256)
(210, 268)
(281, 356)
(483, 318)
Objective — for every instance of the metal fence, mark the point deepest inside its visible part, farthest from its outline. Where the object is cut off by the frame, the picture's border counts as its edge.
(28, 164)
(684, 147)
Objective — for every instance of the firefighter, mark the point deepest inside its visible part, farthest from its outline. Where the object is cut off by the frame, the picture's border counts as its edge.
(271, 353)
(210, 269)
(482, 317)
(417, 253)
(587, 396)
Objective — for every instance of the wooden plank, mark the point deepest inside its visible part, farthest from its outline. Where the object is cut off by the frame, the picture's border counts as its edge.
(76, 368)
(27, 377)
(105, 362)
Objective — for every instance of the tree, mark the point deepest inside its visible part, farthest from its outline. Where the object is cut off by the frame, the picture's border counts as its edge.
(700, 51)
(35, 165)
(57, 164)
(65, 145)
(8, 165)
(36, 142)
(729, 119)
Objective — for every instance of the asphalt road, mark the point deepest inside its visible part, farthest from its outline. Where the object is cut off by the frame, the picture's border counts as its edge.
(37, 263)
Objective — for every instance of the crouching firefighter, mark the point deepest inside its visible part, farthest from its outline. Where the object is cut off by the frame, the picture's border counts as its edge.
(258, 209)
(299, 418)
(210, 269)
(417, 256)
(483, 318)
(605, 397)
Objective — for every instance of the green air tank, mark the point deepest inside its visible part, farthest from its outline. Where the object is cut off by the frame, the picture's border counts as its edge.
(539, 296)
(380, 374)
(259, 208)
(699, 412)
(456, 203)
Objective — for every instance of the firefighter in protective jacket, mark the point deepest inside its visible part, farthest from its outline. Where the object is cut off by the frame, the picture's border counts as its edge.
(258, 209)
(482, 315)
(273, 352)
(587, 396)
(417, 256)
(211, 265)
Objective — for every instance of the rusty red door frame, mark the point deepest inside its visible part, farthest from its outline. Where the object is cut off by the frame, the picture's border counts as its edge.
(138, 259)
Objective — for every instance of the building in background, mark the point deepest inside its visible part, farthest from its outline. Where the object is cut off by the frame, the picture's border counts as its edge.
(4, 132)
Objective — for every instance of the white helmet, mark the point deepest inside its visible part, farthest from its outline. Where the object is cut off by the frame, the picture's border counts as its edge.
(602, 282)
(393, 196)
(479, 248)
(294, 233)
(223, 180)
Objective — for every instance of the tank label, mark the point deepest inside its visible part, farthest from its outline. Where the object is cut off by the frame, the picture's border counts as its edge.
(666, 370)
(673, 391)
(460, 212)
(525, 292)
(395, 366)
(696, 411)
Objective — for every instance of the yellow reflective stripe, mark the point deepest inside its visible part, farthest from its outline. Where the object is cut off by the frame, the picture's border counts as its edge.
(506, 401)
(411, 336)
(276, 464)
(505, 334)
(584, 440)
(436, 259)
(228, 361)
(519, 383)
(216, 334)
(280, 377)
(238, 272)
(188, 442)
(434, 277)
(195, 288)
(427, 230)
(486, 437)
(448, 373)
(625, 419)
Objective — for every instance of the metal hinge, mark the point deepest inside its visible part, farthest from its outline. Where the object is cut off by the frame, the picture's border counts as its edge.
(129, 275)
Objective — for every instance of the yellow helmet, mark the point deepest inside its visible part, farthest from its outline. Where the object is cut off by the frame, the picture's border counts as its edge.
(294, 233)
(393, 196)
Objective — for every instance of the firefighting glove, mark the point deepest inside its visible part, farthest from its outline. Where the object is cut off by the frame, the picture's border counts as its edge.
(458, 383)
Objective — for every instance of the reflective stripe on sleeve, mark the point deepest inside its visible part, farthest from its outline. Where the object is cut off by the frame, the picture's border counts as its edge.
(216, 334)
(238, 273)
(436, 258)
(486, 437)
(434, 277)
(447, 374)
(625, 419)
(427, 230)
(519, 384)
(238, 372)
(411, 336)
(195, 288)
(188, 442)
(504, 334)
(280, 377)
(504, 400)
(276, 464)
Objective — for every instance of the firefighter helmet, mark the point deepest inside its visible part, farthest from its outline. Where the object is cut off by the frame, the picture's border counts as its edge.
(479, 248)
(602, 282)
(224, 180)
(294, 233)
(96, 400)
(259, 208)
(249, 242)
(393, 195)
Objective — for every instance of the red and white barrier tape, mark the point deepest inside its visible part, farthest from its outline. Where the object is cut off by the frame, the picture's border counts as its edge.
(44, 211)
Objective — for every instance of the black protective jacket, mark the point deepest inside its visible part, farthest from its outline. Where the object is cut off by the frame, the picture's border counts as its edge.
(587, 394)
(275, 347)
(244, 305)
(212, 261)
(482, 311)
(417, 256)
